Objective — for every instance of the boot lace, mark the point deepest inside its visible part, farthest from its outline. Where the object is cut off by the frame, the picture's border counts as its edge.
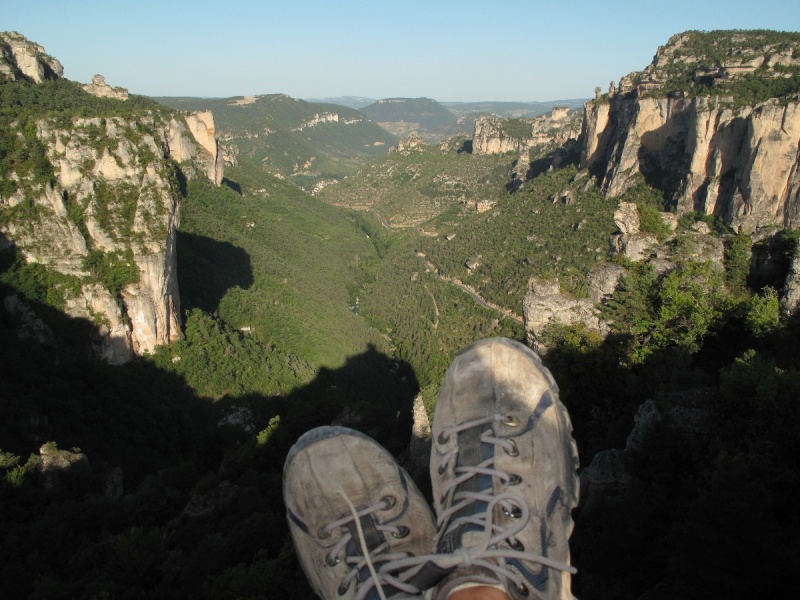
(497, 546)
(475, 509)
(386, 568)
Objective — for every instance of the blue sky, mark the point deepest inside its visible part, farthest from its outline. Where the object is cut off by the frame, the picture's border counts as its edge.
(520, 50)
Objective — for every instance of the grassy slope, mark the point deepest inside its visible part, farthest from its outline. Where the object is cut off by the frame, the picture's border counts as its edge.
(304, 257)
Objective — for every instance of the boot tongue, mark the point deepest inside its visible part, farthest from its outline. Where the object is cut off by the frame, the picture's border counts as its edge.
(471, 452)
(372, 536)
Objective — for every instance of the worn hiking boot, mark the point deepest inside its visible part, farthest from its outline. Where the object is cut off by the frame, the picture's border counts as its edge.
(503, 469)
(357, 520)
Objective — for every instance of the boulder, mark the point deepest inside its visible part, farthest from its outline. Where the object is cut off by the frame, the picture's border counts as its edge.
(544, 304)
(626, 217)
(603, 280)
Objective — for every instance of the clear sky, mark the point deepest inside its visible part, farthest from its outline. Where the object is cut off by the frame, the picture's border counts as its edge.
(462, 50)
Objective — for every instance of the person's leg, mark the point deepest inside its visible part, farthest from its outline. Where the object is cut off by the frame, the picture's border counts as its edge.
(353, 512)
(504, 475)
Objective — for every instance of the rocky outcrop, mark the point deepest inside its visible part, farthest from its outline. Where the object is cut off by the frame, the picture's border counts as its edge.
(414, 141)
(709, 154)
(497, 135)
(608, 475)
(112, 207)
(101, 89)
(791, 289)
(631, 242)
(545, 304)
(58, 464)
(20, 57)
(419, 447)
(201, 147)
(603, 280)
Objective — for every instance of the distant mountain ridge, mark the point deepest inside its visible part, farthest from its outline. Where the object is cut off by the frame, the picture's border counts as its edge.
(356, 102)
(401, 116)
(513, 109)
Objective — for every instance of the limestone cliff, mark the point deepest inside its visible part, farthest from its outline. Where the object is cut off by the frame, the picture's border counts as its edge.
(497, 135)
(20, 57)
(101, 89)
(684, 125)
(106, 219)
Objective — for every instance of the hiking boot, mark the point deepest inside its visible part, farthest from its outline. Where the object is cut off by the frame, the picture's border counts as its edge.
(357, 519)
(503, 469)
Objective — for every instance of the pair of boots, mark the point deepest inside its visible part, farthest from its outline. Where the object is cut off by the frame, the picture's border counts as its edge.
(504, 477)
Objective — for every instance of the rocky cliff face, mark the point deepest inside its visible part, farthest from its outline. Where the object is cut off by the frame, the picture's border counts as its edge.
(497, 135)
(707, 149)
(740, 164)
(18, 56)
(106, 221)
(101, 89)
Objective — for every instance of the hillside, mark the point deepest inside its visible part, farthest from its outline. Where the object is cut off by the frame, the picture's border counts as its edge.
(282, 136)
(401, 116)
(417, 181)
(408, 187)
(747, 66)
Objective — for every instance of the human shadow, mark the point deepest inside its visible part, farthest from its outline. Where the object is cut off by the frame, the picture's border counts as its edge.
(208, 268)
(178, 495)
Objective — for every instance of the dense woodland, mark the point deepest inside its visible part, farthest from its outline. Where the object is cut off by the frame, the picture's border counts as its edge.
(317, 314)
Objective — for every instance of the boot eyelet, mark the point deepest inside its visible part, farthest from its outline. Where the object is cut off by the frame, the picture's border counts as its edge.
(332, 561)
(442, 438)
(511, 421)
(342, 589)
(516, 545)
(514, 479)
(442, 468)
(523, 590)
(514, 513)
(389, 502)
(401, 532)
(323, 533)
(514, 450)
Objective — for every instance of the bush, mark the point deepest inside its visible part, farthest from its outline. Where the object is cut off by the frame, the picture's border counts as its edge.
(114, 270)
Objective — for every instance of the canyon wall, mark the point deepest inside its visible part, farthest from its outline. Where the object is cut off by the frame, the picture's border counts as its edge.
(737, 163)
(106, 220)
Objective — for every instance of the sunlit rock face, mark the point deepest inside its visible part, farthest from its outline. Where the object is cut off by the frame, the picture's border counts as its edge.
(18, 56)
(711, 153)
(113, 202)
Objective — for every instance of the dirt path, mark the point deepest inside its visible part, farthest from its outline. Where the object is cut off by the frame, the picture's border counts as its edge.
(471, 291)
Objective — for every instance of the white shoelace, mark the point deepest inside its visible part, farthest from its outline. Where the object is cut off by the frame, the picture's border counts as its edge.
(395, 568)
(382, 576)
